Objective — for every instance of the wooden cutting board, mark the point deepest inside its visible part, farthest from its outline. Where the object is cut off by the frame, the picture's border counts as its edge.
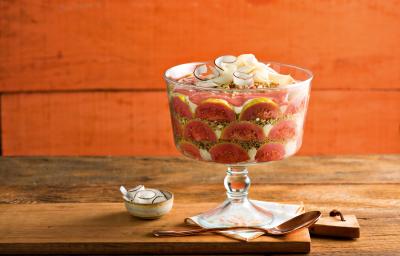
(107, 228)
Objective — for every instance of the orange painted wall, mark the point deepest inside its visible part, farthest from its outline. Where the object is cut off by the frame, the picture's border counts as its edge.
(85, 77)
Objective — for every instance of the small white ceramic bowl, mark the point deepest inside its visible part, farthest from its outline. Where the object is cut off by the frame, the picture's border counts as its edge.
(150, 211)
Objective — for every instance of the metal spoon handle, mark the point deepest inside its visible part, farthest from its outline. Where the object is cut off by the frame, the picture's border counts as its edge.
(296, 223)
(190, 232)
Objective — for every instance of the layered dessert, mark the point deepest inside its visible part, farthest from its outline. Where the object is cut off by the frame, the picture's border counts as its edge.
(236, 110)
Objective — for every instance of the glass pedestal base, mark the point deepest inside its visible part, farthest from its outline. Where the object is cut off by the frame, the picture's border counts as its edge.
(236, 213)
(237, 210)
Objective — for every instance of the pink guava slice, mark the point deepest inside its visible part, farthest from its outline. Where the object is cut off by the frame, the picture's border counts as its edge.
(190, 150)
(181, 106)
(199, 131)
(262, 108)
(283, 130)
(295, 107)
(296, 104)
(176, 126)
(228, 153)
(215, 110)
(243, 131)
(270, 152)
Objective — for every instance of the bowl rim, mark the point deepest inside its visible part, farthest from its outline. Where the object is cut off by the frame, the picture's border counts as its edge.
(151, 205)
(302, 83)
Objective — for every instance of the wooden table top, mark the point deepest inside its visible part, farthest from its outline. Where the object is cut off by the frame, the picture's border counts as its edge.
(367, 186)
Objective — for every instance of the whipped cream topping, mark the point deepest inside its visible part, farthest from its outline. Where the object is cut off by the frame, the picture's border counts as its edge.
(241, 72)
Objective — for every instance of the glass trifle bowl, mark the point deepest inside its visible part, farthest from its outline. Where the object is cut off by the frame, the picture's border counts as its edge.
(239, 112)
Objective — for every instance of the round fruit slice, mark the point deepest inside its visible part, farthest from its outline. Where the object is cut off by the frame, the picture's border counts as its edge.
(262, 108)
(215, 110)
(296, 105)
(176, 126)
(228, 153)
(270, 152)
(190, 150)
(243, 131)
(180, 106)
(199, 131)
(283, 130)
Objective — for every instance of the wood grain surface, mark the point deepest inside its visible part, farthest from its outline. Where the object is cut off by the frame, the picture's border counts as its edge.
(113, 50)
(335, 227)
(87, 124)
(108, 228)
(64, 45)
(366, 186)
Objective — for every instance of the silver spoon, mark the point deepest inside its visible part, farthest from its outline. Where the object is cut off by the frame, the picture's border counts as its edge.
(301, 221)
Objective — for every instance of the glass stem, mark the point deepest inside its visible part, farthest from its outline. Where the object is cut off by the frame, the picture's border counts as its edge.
(237, 184)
